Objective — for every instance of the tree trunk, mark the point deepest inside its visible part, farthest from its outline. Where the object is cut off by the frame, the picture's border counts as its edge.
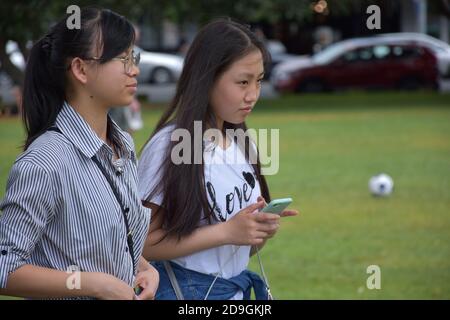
(445, 6)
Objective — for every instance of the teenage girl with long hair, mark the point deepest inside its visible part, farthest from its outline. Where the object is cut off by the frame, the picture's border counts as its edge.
(205, 217)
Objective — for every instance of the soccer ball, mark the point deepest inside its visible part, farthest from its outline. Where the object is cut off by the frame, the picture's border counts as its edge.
(381, 185)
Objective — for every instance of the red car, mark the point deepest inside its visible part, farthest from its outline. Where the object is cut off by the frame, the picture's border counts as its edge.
(360, 63)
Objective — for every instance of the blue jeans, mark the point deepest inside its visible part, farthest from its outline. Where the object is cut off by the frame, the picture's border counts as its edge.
(194, 285)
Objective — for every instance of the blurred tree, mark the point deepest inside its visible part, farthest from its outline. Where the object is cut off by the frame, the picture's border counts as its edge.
(24, 21)
(15, 21)
(445, 7)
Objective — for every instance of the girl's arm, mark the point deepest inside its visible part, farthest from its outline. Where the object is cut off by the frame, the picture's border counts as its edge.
(37, 282)
(245, 228)
(169, 248)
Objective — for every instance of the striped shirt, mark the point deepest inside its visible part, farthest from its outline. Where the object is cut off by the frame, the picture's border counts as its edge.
(59, 210)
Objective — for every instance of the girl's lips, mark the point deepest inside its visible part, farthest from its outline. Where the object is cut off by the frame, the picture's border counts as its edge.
(132, 88)
(247, 110)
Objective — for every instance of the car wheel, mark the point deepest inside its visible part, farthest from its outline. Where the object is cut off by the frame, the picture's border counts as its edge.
(312, 86)
(161, 75)
(410, 83)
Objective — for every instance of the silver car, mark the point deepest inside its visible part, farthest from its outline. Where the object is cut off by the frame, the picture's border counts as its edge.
(159, 68)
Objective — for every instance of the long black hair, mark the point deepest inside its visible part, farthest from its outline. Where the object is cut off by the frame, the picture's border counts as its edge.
(214, 49)
(44, 91)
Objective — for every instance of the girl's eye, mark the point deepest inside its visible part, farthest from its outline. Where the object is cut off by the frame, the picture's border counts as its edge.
(260, 80)
(245, 82)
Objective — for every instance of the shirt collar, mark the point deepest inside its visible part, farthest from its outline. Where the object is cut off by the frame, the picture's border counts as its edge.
(78, 131)
(124, 138)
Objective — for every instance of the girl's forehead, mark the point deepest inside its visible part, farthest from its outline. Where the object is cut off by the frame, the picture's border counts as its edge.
(97, 49)
(253, 61)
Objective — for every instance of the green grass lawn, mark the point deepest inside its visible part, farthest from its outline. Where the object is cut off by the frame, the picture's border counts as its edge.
(329, 148)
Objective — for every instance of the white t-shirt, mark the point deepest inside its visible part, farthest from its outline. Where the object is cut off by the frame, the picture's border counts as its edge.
(230, 183)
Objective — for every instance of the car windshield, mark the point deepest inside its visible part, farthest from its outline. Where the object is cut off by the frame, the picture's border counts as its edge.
(330, 53)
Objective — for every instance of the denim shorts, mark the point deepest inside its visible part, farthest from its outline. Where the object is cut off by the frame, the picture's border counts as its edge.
(194, 285)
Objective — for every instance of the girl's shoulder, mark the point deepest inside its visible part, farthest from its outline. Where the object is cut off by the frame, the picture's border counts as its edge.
(48, 151)
(165, 132)
(160, 139)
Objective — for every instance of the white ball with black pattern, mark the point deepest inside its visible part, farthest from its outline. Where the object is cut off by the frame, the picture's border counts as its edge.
(381, 185)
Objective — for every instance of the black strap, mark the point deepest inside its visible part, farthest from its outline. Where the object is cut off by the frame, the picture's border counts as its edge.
(116, 194)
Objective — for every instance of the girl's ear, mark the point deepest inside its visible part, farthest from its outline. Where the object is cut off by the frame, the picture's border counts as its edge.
(78, 69)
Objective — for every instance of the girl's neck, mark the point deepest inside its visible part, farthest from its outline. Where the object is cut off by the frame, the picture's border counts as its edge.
(225, 142)
(219, 124)
(93, 113)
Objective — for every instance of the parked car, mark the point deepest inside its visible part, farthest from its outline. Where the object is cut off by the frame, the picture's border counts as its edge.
(440, 48)
(360, 63)
(278, 54)
(159, 68)
(9, 93)
(16, 57)
(7, 98)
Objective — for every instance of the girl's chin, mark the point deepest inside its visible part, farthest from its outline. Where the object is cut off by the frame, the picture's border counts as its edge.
(237, 120)
(125, 101)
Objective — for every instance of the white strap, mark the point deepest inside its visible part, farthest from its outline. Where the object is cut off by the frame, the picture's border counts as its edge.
(173, 280)
(266, 281)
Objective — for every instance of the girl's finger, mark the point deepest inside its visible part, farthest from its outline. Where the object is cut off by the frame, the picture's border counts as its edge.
(255, 206)
(289, 213)
(140, 281)
(268, 227)
(260, 198)
(261, 235)
(267, 217)
(147, 294)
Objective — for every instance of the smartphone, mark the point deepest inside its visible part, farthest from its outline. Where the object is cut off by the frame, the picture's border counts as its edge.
(277, 206)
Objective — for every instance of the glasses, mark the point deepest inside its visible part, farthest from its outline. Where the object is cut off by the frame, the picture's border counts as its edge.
(132, 59)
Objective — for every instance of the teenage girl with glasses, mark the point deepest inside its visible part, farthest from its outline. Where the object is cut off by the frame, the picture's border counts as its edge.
(72, 224)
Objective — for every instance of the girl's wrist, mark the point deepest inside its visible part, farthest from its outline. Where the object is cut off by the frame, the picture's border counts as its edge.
(223, 233)
(91, 284)
(217, 233)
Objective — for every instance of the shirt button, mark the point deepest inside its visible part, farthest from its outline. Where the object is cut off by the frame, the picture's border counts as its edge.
(4, 252)
(126, 249)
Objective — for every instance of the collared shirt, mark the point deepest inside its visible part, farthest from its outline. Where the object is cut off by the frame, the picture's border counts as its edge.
(59, 210)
